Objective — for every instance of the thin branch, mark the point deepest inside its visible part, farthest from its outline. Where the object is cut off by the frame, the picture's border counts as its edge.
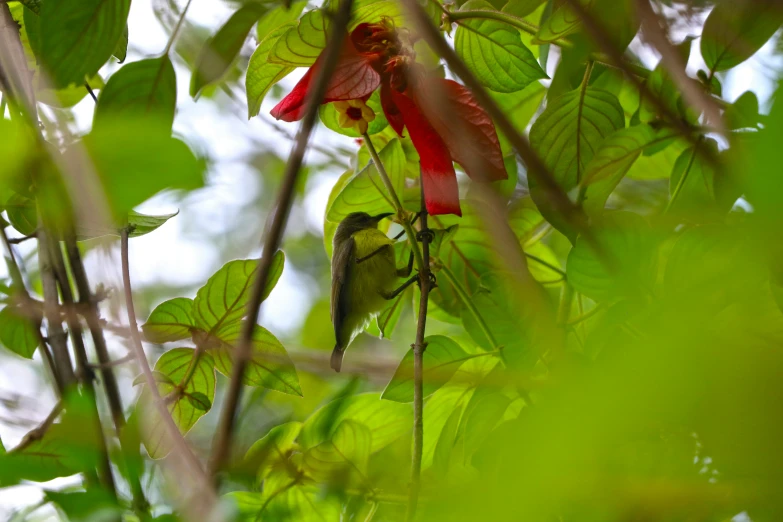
(425, 284)
(175, 31)
(243, 351)
(38, 432)
(180, 448)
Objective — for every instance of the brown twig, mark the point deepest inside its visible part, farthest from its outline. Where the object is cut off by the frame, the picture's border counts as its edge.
(425, 284)
(188, 462)
(39, 431)
(223, 437)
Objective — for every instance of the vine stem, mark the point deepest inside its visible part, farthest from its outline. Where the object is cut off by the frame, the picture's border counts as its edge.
(179, 446)
(242, 353)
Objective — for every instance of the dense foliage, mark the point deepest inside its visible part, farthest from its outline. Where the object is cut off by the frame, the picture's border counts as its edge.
(601, 327)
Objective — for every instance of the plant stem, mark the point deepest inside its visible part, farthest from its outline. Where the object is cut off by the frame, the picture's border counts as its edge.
(179, 447)
(401, 214)
(564, 308)
(418, 366)
(175, 31)
(223, 438)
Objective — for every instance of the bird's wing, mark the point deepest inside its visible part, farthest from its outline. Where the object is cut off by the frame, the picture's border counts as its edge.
(341, 261)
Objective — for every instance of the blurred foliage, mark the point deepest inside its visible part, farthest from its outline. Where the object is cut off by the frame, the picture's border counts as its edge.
(628, 370)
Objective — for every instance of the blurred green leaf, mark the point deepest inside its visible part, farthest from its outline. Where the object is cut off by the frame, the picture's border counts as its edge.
(482, 414)
(186, 404)
(269, 366)
(520, 106)
(439, 409)
(222, 301)
(562, 22)
(344, 456)
(744, 112)
(625, 265)
(277, 18)
(442, 359)
(300, 45)
(692, 185)
(17, 333)
(171, 320)
(220, 51)
(85, 506)
(144, 88)
(22, 214)
(263, 74)
(735, 30)
(271, 450)
(121, 51)
(78, 37)
(142, 224)
(387, 421)
(495, 53)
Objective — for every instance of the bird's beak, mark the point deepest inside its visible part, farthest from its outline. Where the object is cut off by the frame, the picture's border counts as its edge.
(381, 216)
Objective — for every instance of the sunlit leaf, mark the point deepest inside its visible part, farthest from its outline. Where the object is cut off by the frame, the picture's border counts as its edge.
(223, 299)
(261, 73)
(442, 359)
(78, 37)
(272, 449)
(495, 53)
(144, 88)
(300, 45)
(278, 17)
(220, 51)
(562, 22)
(386, 420)
(735, 30)
(186, 403)
(269, 365)
(373, 11)
(171, 320)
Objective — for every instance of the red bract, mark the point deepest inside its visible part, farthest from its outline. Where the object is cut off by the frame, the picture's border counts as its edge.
(443, 119)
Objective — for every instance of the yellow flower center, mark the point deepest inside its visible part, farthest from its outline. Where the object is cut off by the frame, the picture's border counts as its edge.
(354, 114)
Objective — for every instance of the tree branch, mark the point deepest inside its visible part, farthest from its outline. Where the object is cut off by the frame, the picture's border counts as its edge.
(243, 351)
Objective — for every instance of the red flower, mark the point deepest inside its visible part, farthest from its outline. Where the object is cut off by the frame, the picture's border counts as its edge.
(443, 119)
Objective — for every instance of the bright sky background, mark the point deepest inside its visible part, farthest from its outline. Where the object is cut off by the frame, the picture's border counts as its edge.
(182, 252)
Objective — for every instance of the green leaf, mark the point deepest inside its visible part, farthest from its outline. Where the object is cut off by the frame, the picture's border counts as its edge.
(78, 37)
(447, 401)
(329, 116)
(521, 106)
(386, 420)
(562, 22)
(625, 267)
(373, 11)
(442, 359)
(285, 499)
(695, 188)
(17, 148)
(22, 214)
(143, 88)
(612, 161)
(271, 450)
(510, 323)
(344, 455)
(261, 73)
(494, 52)
(223, 299)
(300, 45)
(142, 224)
(220, 51)
(735, 30)
(171, 320)
(186, 405)
(32, 5)
(86, 506)
(144, 165)
(566, 135)
(482, 414)
(743, 113)
(364, 191)
(156, 376)
(69, 96)
(278, 17)
(66, 448)
(269, 366)
(121, 51)
(17, 333)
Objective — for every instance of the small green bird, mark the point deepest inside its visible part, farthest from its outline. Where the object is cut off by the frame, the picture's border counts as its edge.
(364, 274)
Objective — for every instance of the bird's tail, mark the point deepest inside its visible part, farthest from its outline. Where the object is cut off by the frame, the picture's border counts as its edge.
(337, 358)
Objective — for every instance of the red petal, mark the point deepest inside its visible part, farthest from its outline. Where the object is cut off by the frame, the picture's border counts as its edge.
(390, 109)
(465, 127)
(441, 192)
(353, 78)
